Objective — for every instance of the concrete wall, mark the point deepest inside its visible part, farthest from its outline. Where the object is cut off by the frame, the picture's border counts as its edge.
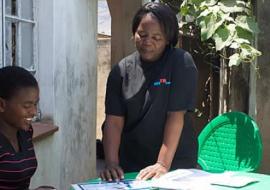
(67, 41)
(46, 54)
(103, 70)
(263, 80)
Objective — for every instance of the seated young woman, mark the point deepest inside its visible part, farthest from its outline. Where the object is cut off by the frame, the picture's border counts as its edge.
(19, 95)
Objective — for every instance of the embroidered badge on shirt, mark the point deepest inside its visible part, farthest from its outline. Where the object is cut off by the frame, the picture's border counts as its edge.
(162, 82)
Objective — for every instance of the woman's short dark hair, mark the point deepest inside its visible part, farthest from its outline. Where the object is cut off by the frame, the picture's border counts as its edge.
(165, 16)
(14, 78)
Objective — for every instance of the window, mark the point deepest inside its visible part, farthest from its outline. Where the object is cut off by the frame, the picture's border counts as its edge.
(18, 34)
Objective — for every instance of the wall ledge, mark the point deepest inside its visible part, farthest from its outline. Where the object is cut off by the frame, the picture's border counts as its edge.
(42, 130)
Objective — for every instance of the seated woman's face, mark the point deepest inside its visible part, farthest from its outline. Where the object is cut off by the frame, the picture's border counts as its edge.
(150, 39)
(20, 109)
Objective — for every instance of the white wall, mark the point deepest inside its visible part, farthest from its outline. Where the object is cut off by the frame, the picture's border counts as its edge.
(103, 70)
(46, 54)
(1, 17)
(67, 74)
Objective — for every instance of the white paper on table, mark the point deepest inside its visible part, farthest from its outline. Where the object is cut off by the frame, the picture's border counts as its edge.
(185, 179)
(234, 181)
(182, 185)
(193, 179)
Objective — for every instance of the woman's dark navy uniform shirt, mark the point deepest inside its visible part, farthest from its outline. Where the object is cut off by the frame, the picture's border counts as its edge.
(143, 93)
(16, 168)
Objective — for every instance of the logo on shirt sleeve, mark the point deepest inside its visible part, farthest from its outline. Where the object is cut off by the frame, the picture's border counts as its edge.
(162, 81)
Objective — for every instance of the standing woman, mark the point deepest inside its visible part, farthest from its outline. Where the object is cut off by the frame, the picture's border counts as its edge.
(19, 95)
(148, 99)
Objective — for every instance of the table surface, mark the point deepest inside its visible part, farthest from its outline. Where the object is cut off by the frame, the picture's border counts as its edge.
(262, 184)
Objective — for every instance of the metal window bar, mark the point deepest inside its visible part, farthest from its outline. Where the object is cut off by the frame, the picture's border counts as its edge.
(3, 33)
(35, 42)
(18, 36)
(18, 19)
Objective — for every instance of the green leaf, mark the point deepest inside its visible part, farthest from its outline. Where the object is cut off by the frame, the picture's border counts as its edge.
(245, 53)
(228, 2)
(224, 17)
(234, 60)
(230, 19)
(188, 10)
(243, 3)
(234, 45)
(222, 37)
(209, 25)
(247, 23)
(214, 9)
(232, 28)
(244, 34)
(248, 52)
(196, 2)
(246, 5)
(241, 40)
(208, 3)
(204, 13)
(231, 6)
(184, 10)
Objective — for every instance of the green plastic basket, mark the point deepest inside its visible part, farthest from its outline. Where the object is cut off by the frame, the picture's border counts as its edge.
(231, 141)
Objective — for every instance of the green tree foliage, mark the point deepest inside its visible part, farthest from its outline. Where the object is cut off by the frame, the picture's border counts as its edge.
(223, 24)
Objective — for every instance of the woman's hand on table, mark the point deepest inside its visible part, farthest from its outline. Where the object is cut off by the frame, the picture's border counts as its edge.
(112, 172)
(153, 171)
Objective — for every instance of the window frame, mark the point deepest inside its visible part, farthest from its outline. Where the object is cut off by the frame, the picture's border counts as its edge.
(19, 20)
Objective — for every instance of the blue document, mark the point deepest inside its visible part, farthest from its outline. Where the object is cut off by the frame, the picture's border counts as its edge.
(126, 184)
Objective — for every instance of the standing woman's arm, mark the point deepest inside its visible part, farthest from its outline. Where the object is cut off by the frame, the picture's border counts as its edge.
(111, 141)
(172, 132)
(114, 123)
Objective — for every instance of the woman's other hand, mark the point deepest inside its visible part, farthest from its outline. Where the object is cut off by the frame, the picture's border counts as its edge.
(153, 171)
(112, 172)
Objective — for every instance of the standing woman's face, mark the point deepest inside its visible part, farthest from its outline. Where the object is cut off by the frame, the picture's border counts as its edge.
(150, 39)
